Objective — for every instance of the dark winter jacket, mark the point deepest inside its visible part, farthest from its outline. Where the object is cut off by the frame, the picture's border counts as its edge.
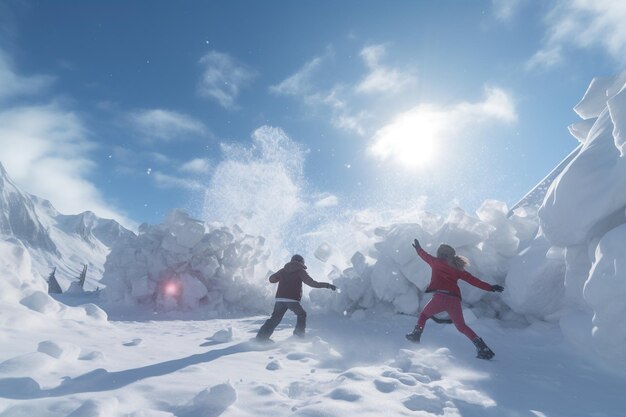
(290, 279)
(444, 276)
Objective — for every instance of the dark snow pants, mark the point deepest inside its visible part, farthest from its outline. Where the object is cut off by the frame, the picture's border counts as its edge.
(280, 308)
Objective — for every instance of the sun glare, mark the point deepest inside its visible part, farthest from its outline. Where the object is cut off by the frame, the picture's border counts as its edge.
(410, 140)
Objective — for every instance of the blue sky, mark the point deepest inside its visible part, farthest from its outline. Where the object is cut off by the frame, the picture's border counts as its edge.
(264, 110)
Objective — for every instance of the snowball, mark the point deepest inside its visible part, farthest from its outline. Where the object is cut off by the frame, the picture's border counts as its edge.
(323, 252)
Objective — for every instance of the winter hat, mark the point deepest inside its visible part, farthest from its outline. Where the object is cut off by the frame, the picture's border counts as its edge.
(297, 258)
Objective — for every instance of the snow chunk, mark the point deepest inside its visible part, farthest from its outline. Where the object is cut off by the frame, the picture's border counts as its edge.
(605, 291)
(41, 302)
(60, 350)
(222, 336)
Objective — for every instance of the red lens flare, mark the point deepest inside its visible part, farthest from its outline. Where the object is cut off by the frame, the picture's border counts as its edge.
(171, 288)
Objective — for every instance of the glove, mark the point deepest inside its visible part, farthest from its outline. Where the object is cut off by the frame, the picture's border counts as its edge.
(331, 286)
(416, 244)
(497, 288)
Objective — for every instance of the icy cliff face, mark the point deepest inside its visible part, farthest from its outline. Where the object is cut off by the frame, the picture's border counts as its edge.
(55, 240)
(185, 264)
(18, 217)
(583, 218)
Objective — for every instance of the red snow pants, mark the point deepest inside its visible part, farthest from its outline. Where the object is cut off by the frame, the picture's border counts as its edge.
(450, 303)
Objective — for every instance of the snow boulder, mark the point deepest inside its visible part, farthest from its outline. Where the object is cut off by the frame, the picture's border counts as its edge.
(605, 292)
(535, 281)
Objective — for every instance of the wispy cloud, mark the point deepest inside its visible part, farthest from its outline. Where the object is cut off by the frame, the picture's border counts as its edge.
(165, 125)
(196, 166)
(583, 24)
(382, 78)
(505, 9)
(413, 136)
(13, 84)
(169, 181)
(223, 78)
(46, 151)
(298, 84)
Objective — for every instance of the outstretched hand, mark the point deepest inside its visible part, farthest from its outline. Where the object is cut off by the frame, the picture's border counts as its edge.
(416, 244)
(332, 287)
(497, 288)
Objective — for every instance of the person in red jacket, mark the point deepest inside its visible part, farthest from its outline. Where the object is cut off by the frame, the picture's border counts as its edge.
(288, 295)
(447, 269)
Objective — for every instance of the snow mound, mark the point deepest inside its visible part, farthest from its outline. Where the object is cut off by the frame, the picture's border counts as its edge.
(184, 264)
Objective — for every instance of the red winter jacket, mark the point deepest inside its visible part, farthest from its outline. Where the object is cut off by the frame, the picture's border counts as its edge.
(445, 276)
(290, 279)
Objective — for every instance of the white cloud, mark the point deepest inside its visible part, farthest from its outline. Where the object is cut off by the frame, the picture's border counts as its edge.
(196, 166)
(223, 78)
(583, 24)
(12, 84)
(168, 181)
(413, 137)
(327, 200)
(381, 78)
(505, 9)
(165, 125)
(300, 82)
(45, 150)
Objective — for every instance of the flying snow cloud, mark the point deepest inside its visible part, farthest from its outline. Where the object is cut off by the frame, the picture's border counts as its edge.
(582, 24)
(165, 125)
(258, 187)
(414, 137)
(223, 78)
(505, 9)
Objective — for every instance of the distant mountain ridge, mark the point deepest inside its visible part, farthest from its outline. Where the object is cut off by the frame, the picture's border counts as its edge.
(66, 242)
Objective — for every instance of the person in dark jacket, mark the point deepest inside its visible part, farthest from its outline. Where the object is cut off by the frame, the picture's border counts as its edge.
(288, 295)
(447, 269)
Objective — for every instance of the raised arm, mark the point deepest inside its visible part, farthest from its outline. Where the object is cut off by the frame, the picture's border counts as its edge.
(306, 278)
(428, 258)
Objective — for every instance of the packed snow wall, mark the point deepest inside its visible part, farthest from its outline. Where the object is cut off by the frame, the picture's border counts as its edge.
(573, 271)
(187, 264)
(391, 276)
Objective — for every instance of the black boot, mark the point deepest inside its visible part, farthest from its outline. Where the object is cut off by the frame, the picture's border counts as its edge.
(415, 335)
(482, 350)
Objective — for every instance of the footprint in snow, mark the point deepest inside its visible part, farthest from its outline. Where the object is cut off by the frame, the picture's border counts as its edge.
(133, 342)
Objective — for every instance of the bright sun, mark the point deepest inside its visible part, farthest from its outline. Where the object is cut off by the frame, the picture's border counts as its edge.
(411, 139)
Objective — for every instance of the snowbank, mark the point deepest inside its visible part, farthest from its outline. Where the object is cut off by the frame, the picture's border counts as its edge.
(583, 221)
(185, 264)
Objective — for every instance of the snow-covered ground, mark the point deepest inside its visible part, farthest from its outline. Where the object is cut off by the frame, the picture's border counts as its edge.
(344, 367)
(170, 334)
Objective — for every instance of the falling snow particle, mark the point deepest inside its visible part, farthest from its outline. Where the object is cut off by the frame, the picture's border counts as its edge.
(149, 171)
(348, 166)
